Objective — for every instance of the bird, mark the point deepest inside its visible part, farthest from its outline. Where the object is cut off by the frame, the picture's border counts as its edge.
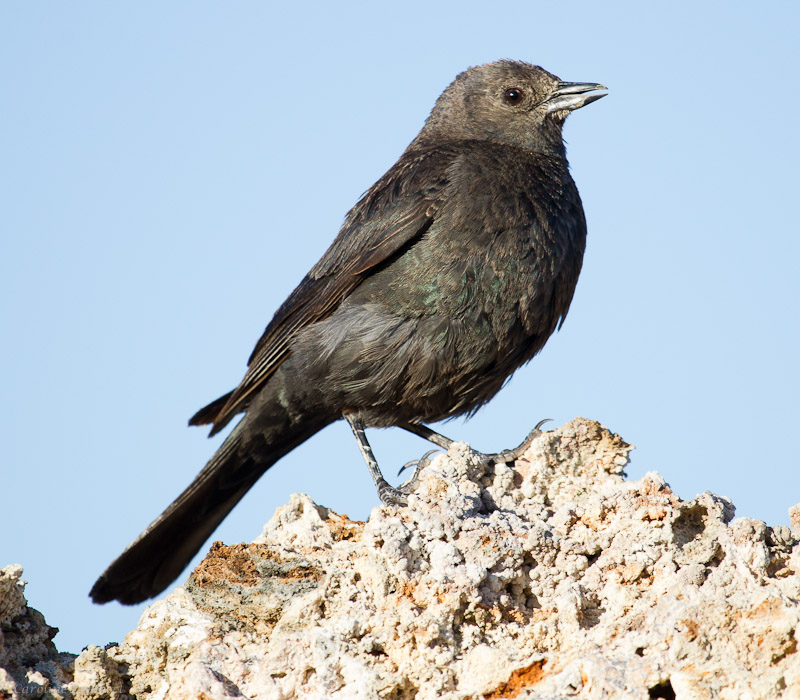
(447, 275)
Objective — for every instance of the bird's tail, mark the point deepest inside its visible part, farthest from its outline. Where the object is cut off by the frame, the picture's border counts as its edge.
(162, 551)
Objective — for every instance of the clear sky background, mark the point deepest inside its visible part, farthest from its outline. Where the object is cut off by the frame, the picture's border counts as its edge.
(170, 171)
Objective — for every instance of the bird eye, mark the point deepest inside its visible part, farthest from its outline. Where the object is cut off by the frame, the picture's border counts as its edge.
(513, 96)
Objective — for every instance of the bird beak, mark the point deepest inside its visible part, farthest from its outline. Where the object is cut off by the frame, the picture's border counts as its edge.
(570, 96)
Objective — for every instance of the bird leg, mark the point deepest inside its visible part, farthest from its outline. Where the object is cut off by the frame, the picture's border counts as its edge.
(445, 443)
(397, 497)
(387, 493)
(514, 454)
(430, 435)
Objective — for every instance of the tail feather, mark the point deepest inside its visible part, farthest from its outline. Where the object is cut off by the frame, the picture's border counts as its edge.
(157, 557)
(208, 414)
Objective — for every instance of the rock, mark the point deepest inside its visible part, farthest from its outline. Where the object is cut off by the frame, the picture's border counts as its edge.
(550, 578)
(30, 665)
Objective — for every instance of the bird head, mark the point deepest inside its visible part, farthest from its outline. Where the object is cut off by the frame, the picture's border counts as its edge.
(508, 102)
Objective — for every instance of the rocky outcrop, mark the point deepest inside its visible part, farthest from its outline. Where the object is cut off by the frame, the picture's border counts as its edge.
(30, 665)
(549, 578)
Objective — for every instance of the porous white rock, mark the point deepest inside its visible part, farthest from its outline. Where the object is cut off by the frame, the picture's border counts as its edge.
(30, 665)
(549, 578)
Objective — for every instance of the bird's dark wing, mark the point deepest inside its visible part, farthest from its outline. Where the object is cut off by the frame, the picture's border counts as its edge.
(395, 212)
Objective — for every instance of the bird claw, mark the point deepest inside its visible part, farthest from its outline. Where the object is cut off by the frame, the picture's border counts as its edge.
(390, 496)
(409, 486)
(420, 463)
(513, 455)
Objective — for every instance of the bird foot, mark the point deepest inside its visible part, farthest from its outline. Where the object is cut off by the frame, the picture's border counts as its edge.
(419, 464)
(390, 496)
(507, 456)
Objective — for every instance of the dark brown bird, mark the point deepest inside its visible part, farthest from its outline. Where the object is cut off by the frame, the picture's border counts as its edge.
(450, 272)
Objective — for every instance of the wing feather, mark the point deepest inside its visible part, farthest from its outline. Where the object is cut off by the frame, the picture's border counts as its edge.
(394, 212)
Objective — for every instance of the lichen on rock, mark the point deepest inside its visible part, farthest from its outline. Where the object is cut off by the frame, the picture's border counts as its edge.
(552, 577)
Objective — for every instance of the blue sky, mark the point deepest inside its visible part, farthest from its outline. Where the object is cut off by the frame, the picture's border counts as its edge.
(171, 171)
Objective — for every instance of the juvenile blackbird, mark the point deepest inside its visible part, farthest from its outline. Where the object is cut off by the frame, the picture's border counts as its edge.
(448, 274)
